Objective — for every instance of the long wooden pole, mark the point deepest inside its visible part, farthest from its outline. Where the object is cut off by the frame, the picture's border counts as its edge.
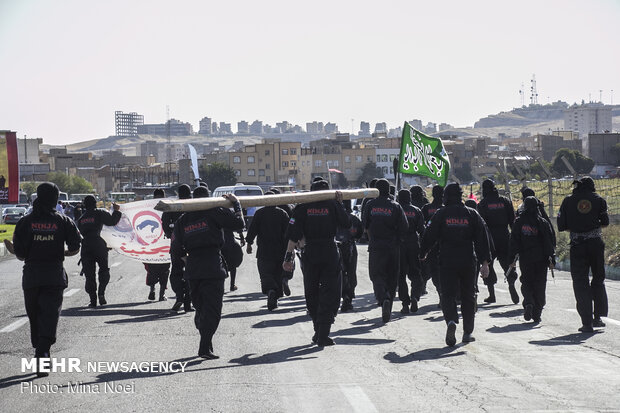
(200, 204)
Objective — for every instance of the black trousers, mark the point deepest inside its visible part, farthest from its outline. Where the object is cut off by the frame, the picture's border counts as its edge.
(589, 255)
(502, 255)
(348, 257)
(459, 281)
(43, 305)
(179, 285)
(92, 256)
(207, 295)
(533, 285)
(410, 267)
(157, 273)
(432, 269)
(271, 272)
(383, 268)
(322, 281)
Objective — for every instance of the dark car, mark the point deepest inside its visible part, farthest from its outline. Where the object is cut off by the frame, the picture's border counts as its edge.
(12, 215)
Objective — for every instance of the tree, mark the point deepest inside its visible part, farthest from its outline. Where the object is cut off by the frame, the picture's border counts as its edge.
(582, 164)
(80, 185)
(369, 172)
(60, 179)
(218, 174)
(29, 188)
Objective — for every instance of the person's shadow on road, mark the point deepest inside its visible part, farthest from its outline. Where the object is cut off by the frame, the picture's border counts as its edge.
(566, 340)
(423, 355)
(513, 327)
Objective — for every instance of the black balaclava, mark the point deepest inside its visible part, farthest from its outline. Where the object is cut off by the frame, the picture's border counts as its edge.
(453, 194)
(319, 185)
(347, 205)
(404, 197)
(471, 203)
(274, 191)
(184, 191)
(47, 197)
(373, 183)
(588, 184)
(488, 188)
(318, 178)
(383, 186)
(159, 193)
(525, 192)
(90, 202)
(201, 192)
(530, 206)
(417, 192)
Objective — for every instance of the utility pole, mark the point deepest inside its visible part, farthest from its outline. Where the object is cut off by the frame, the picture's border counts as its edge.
(549, 183)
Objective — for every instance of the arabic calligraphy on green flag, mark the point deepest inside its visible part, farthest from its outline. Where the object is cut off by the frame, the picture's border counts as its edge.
(423, 155)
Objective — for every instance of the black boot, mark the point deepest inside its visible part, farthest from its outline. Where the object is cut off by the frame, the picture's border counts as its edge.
(272, 300)
(152, 293)
(93, 300)
(324, 339)
(491, 298)
(414, 305)
(187, 305)
(162, 294)
(206, 349)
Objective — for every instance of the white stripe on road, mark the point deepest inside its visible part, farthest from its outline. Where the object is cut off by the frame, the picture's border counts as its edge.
(357, 399)
(115, 264)
(500, 290)
(14, 325)
(605, 319)
(70, 292)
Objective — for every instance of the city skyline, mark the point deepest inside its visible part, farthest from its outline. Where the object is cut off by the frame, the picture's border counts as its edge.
(67, 67)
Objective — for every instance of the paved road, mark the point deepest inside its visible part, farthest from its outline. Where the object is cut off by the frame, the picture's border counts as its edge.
(268, 363)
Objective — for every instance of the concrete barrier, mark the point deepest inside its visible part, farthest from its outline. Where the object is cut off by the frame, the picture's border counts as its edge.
(611, 273)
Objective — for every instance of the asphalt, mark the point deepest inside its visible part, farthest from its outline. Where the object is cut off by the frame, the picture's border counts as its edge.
(268, 364)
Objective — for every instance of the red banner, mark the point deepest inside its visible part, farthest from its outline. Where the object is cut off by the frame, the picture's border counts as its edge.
(9, 168)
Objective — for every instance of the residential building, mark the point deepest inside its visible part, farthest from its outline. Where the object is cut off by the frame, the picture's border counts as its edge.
(28, 150)
(126, 124)
(225, 129)
(330, 128)
(205, 126)
(173, 127)
(243, 127)
(256, 128)
(588, 118)
(380, 127)
(548, 145)
(599, 147)
(364, 129)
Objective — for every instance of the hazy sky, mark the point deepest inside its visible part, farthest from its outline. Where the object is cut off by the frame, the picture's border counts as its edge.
(67, 65)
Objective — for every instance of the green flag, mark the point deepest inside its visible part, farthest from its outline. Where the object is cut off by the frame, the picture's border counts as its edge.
(423, 155)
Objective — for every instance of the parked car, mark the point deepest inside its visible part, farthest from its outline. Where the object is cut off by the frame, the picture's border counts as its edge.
(12, 215)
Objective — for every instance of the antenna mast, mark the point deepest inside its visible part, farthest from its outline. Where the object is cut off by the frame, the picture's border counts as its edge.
(534, 96)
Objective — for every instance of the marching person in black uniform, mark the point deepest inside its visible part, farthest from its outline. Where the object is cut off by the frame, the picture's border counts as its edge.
(410, 255)
(199, 236)
(157, 273)
(39, 240)
(418, 196)
(531, 240)
(346, 238)
(387, 225)
(583, 214)
(233, 254)
(317, 223)
(94, 248)
(269, 227)
(431, 264)
(179, 285)
(525, 192)
(499, 215)
(462, 239)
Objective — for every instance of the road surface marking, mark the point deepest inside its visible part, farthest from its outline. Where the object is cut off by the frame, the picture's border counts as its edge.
(357, 399)
(605, 319)
(115, 264)
(70, 292)
(500, 290)
(14, 325)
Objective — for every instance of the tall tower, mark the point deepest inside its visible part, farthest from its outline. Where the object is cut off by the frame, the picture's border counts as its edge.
(534, 91)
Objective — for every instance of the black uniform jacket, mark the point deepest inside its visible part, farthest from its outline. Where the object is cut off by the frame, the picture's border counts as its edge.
(461, 236)
(352, 234)
(91, 222)
(40, 241)
(269, 226)
(318, 221)
(531, 238)
(199, 234)
(429, 209)
(168, 219)
(415, 220)
(583, 211)
(386, 223)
